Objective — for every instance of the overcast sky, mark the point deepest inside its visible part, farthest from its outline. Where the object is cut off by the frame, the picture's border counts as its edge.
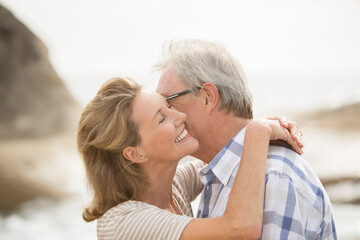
(124, 37)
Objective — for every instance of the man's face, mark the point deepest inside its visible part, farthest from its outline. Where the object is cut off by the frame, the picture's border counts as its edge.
(189, 104)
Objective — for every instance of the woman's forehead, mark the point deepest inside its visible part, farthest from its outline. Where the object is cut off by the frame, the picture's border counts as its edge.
(146, 104)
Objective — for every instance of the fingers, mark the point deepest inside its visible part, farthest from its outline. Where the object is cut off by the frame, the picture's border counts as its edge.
(300, 140)
(288, 131)
(292, 127)
(282, 120)
(295, 144)
(296, 133)
(297, 148)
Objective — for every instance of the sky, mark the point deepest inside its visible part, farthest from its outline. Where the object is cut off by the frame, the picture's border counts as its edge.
(103, 38)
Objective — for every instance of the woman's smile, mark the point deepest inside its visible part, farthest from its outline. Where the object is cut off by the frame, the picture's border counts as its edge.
(184, 135)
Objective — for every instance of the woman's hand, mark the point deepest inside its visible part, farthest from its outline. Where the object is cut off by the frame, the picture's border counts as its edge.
(293, 127)
(280, 129)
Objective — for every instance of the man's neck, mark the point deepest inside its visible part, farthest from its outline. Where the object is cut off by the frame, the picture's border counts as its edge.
(220, 131)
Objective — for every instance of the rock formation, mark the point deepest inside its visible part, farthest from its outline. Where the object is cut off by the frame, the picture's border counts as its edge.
(344, 118)
(33, 99)
(35, 106)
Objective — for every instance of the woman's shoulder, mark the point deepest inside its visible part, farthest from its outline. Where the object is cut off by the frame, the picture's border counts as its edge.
(187, 184)
(122, 222)
(189, 168)
(116, 217)
(125, 208)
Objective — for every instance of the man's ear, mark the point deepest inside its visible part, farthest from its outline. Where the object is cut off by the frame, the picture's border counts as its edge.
(211, 95)
(134, 154)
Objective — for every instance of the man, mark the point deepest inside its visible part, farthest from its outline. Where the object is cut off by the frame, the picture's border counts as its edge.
(203, 80)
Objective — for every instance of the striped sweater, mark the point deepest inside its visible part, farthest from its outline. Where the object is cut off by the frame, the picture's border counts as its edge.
(139, 220)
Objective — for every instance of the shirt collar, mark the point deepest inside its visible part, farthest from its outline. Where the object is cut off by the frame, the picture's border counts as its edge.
(225, 162)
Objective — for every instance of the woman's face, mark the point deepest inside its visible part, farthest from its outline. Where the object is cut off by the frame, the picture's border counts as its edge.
(161, 128)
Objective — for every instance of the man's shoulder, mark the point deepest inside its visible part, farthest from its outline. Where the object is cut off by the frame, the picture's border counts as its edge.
(292, 183)
(286, 163)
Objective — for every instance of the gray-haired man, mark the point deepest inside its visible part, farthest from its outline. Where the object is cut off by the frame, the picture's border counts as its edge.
(215, 96)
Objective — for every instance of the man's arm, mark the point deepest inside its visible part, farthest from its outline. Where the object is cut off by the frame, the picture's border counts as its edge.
(296, 205)
(282, 211)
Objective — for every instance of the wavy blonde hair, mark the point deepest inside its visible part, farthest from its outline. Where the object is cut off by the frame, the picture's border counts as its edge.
(105, 128)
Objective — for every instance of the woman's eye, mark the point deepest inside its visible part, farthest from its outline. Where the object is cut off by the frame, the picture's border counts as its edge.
(169, 106)
(162, 119)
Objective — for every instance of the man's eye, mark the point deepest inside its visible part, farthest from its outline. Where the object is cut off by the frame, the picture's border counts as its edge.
(169, 106)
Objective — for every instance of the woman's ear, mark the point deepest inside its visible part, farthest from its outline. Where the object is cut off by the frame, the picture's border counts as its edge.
(211, 95)
(134, 154)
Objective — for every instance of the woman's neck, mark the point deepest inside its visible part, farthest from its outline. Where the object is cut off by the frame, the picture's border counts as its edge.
(159, 191)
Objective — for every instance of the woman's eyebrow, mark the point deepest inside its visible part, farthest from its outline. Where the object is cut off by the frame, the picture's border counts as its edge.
(157, 112)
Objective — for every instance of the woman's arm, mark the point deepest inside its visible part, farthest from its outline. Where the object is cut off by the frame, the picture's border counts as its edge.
(243, 215)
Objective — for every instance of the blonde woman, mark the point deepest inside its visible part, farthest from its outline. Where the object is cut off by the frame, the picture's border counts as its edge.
(131, 142)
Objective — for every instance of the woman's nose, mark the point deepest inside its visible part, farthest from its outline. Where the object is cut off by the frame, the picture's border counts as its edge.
(179, 118)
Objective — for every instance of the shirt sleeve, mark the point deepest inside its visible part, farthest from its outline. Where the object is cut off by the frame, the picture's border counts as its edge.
(144, 222)
(327, 229)
(188, 179)
(282, 211)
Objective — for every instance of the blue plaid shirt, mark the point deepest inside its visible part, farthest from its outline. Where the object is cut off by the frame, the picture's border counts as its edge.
(296, 205)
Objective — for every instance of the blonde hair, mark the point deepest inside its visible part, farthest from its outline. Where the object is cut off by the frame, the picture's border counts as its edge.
(105, 129)
(198, 61)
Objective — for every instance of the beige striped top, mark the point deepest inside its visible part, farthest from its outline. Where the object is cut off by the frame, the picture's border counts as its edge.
(139, 220)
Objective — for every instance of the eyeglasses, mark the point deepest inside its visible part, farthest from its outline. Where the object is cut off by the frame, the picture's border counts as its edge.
(179, 94)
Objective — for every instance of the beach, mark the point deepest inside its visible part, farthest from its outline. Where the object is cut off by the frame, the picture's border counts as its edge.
(301, 60)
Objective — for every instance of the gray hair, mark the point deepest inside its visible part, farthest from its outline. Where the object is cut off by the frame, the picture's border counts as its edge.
(199, 61)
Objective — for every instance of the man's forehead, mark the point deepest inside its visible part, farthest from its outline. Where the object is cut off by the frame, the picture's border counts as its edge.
(169, 83)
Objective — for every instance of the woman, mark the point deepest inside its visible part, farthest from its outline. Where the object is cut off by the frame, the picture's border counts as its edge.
(131, 142)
